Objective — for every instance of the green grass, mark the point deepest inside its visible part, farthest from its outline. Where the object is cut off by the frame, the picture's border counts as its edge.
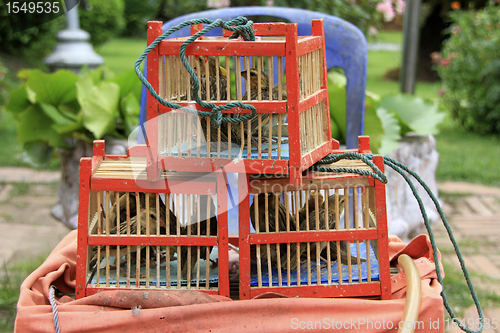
(121, 54)
(458, 294)
(387, 36)
(379, 63)
(10, 281)
(467, 156)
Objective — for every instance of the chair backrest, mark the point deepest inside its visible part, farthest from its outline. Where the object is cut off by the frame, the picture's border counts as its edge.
(346, 48)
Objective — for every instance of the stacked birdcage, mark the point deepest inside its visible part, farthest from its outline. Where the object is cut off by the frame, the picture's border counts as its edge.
(139, 234)
(325, 238)
(300, 233)
(281, 74)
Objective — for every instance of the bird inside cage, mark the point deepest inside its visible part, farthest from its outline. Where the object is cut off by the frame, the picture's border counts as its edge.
(318, 216)
(203, 222)
(125, 207)
(217, 92)
(217, 89)
(310, 205)
(313, 215)
(272, 217)
(263, 94)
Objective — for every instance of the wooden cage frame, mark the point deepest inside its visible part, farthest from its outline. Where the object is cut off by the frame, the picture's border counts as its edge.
(375, 289)
(307, 104)
(95, 176)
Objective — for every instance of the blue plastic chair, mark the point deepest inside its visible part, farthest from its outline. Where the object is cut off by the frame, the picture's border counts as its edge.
(346, 48)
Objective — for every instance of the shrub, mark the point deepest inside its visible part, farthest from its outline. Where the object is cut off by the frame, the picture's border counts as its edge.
(137, 14)
(469, 66)
(102, 19)
(171, 9)
(53, 109)
(33, 43)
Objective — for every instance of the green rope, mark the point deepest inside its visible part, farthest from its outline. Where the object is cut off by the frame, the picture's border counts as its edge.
(401, 169)
(377, 174)
(240, 26)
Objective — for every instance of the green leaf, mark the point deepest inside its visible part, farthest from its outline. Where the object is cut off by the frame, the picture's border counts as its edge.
(337, 99)
(130, 109)
(392, 129)
(373, 128)
(100, 108)
(18, 101)
(71, 128)
(67, 129)
(56, 88)
(53, 113)
(128, 82)
(31, 95)
(420, 116)
(35, 125)
(70, 110)
(98, 74)
(335, 129)
(38, 154)
(83, 87)
(23, 74)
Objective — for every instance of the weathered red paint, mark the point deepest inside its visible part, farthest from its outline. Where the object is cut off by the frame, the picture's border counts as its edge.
(83, 226)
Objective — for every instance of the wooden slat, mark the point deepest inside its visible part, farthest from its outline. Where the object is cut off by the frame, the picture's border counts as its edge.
(358, 290)
(225, 47)
(313, 236)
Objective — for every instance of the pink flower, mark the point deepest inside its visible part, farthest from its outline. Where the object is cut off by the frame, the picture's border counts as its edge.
(444, 62)
(455, 30)
(218, 3)
(270, 3)
(435, 57)
(440, 92)
(386, 9)
(372, 31)
(400, 6)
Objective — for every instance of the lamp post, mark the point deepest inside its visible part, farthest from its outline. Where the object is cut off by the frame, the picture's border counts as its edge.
(73, 51)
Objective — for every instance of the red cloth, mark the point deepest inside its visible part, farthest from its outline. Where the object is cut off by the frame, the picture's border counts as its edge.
(188, 311)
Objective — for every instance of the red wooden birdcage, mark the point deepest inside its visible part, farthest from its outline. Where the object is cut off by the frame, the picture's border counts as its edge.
(309, 252)
(292, 129)
(153, 248)
(152, 219)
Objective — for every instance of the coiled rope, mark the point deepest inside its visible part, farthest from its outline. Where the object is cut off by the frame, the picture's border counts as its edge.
(404, 171)
(240, 26)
